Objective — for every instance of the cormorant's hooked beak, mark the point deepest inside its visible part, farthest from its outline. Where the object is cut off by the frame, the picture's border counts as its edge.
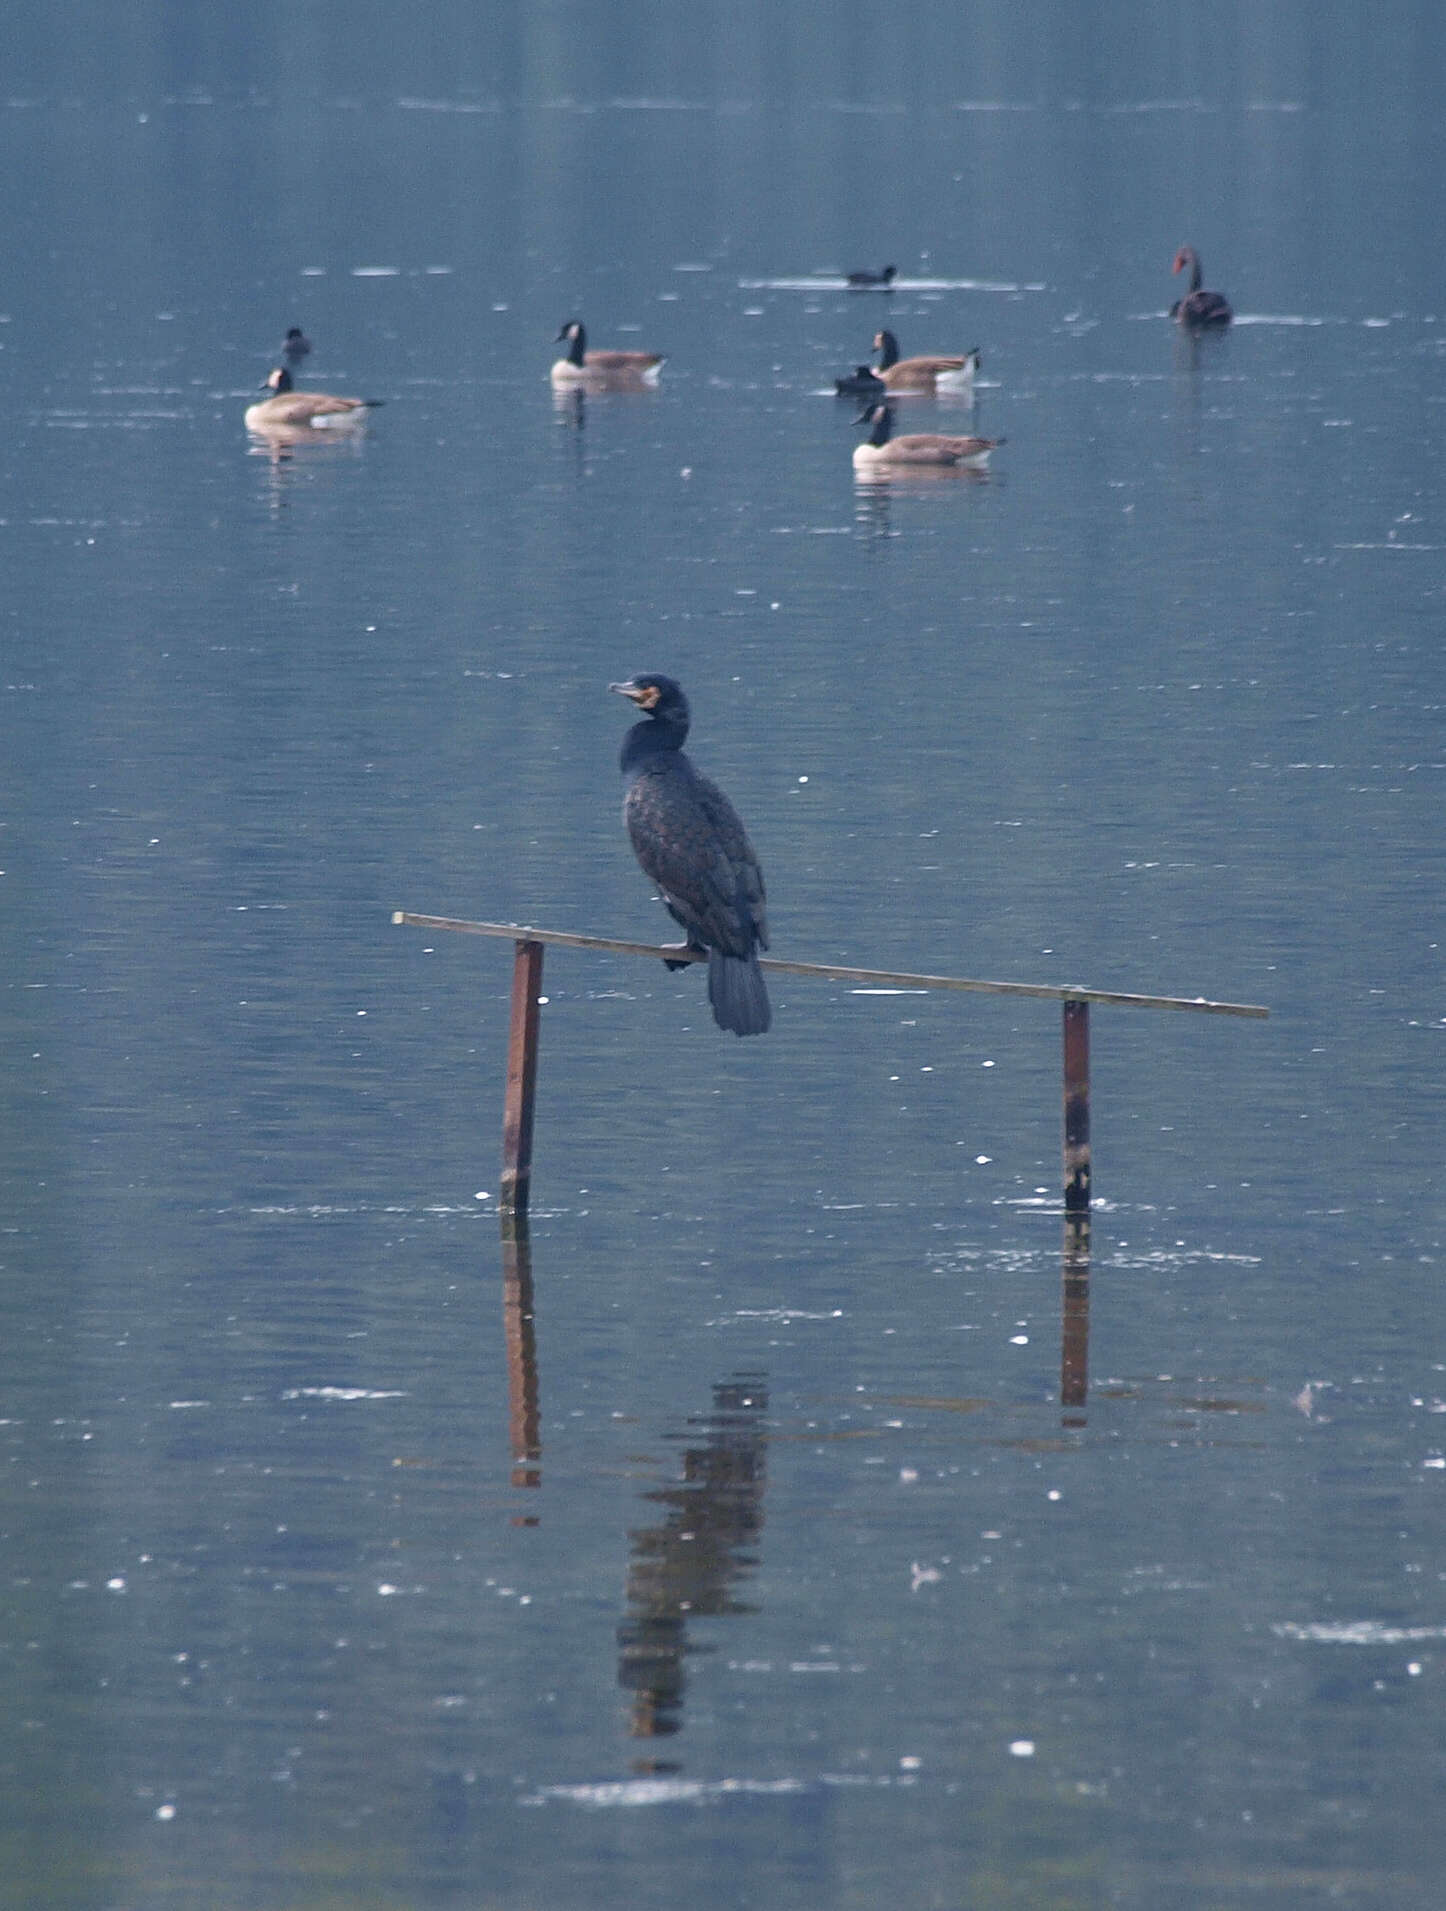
(642, 694)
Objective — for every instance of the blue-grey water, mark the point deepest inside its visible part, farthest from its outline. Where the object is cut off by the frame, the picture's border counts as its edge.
(778, 1525)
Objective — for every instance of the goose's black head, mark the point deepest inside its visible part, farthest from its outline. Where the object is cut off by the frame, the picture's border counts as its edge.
(277, 381)
(887, 347)
(576, 335)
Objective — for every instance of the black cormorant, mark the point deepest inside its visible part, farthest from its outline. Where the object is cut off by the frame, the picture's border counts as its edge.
(295, 346)
(1199, 309)
(689, 840)
(872, 281)
(862, 382)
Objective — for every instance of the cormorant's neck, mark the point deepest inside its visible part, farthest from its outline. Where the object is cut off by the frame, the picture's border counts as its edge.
(888, 351)
(654, 737)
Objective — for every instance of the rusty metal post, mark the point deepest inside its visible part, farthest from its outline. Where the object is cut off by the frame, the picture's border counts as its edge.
(521, 1079)
(1076, 1107)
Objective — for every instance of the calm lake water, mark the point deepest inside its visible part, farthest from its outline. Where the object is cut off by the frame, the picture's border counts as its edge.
(785, 1522)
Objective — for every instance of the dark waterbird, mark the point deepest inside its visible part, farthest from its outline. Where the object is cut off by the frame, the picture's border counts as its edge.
(295, 346)
(862, 382)
(1199, 309)
(690, 841)
(872, 281)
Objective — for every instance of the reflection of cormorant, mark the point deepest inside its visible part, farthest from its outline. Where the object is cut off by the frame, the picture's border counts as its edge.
(689, 839)
(685, 1566)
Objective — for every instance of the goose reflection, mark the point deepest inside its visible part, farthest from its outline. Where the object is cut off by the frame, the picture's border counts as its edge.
(279, 442)
(687, 1565)
(569, 402)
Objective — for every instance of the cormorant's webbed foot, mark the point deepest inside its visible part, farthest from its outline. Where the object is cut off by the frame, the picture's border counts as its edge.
(696, 953)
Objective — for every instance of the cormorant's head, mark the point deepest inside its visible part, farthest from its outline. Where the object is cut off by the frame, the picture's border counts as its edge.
(655, 696)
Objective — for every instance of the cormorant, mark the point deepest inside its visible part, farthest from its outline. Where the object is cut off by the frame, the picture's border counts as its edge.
(1198, 310)
(295, 346)
(862, 382)
(689, 840)
(872, 281)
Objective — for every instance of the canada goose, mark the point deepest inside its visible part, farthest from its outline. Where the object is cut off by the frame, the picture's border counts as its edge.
(316, 410)
(1198, 309)
(916, 447)
(295, 346)
(581, 366)
(862, 382)
(872, 281)
(924, 374)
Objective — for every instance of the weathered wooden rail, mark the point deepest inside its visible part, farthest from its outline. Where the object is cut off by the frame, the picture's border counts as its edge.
(522, 1045)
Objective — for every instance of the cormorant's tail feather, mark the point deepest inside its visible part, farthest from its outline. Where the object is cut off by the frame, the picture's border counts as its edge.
(737, 995)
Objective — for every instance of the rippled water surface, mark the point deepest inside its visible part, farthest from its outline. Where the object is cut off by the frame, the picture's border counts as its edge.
(797, 1514)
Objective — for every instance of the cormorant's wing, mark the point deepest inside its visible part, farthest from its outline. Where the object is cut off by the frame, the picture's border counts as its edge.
(689, 839)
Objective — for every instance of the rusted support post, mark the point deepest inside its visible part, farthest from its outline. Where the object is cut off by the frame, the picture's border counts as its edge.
(521, 1079)
(1077, 1108)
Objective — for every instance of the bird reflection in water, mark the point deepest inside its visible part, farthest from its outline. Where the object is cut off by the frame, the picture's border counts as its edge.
(687, 1565)
(569, 403)
(288, 449)
(1074, 1338)
(524, 1412)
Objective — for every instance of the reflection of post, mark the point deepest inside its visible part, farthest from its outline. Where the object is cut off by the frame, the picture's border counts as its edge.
(521, 1079)
(1077, 1108)
(1074, 1354)
(684, 1567)
(523, 1411)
